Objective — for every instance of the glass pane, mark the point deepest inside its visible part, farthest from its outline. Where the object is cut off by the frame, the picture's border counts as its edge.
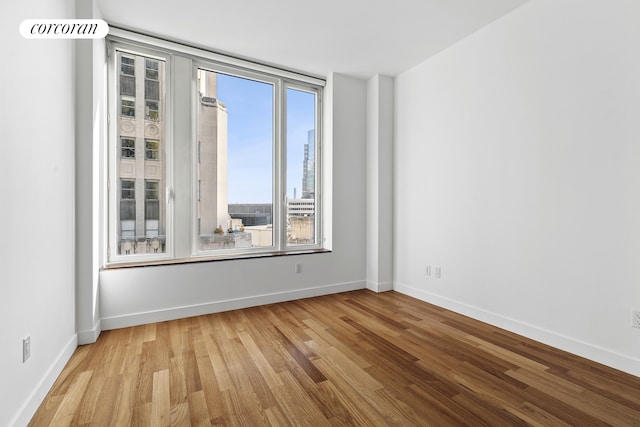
(128, 107)
(128, 211)
(151, 190)
(151, 210)
(151, 89)
(151, 69)
(151, 149)
(151, 228)
(142, 204)
(127, 85)
(128, 147)
(128, 189)
(128, 229)
(301, 186)
(235, 162)
(127, 66)
(151, 110)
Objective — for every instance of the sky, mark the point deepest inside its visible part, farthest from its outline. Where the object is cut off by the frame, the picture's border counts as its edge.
(250, 137)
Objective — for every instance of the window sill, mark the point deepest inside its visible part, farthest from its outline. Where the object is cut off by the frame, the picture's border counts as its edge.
(215, 258)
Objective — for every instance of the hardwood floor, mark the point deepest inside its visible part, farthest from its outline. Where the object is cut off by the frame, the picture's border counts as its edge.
(356, 358)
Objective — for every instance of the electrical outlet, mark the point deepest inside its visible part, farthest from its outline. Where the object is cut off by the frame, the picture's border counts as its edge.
(438, 272)
(427, 270)
(636, 319)
(26, 349)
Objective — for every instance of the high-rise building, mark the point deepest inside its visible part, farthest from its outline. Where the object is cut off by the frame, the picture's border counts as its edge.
(301, 212)
(308, 167)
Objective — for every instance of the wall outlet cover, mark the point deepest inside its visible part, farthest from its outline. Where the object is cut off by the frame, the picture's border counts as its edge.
(636, 319)
(26, 349)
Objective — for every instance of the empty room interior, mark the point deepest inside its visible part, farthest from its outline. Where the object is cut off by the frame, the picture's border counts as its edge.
(421, 212)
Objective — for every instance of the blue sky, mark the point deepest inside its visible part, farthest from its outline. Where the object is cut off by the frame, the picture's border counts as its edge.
(250, 120)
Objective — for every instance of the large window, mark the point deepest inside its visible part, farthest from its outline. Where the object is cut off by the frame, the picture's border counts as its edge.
(235, 134)
(301, 142)
(231, 158)
(138, 216)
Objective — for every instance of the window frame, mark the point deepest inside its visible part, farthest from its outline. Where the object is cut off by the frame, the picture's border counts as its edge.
(113, 156)
(130, 149)
(214, 66)
(181, 248)
(128, 107)
(147, 150)
(317, 153)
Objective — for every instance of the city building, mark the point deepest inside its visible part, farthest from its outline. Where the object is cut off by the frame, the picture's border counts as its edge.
(252, 213)
(308, 167)
(211, 152)
(141, 157)
(301, 221)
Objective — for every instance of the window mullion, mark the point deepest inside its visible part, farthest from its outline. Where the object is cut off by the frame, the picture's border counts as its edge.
(280, 168)
(182, 155)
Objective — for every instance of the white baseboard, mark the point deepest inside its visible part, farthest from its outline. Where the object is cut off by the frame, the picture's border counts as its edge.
(31, 405)
(90, 336)
(592, 352)
(173, 313)
(380, 287)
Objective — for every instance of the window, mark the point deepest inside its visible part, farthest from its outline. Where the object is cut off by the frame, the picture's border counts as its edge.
(127, 209)
(128, 188)
(242, 166)
(151, 110)
(127, 66)
(139, 221)
(151, 69)
(301, 137)
(151, 208)
(128, 106)
(235, 137)
(127, 86)
(151, 149)
(127, 76)
(127, 147)
(151, 89)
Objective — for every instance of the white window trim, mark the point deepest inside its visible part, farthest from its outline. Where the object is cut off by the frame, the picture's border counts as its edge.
(317, 153)
(276, 165)
(113, 258)
(143, 40)
(135, 43)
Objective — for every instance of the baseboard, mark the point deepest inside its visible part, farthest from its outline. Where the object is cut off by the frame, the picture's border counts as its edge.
(90, 336)
(31, 405)
(173, 313)
(592, 352)
(380, 287)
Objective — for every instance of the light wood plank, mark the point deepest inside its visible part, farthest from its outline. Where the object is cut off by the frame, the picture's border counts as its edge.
(160, 403)
(67, 409)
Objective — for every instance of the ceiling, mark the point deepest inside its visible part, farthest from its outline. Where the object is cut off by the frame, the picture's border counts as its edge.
(355, 37)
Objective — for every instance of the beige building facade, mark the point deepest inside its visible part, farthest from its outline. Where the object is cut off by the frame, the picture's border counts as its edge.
(141, 158)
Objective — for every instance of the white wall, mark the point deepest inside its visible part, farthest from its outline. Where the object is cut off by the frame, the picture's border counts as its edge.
(90, 141)
(131, 296)
(37, 209)
(379, 246)
(517, 154)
